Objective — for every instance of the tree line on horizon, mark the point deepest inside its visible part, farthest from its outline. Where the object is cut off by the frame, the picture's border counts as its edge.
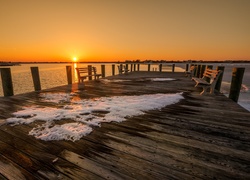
(9, 63)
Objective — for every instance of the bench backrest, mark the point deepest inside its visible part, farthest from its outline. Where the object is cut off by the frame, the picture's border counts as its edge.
(119, 68)
(94, 70)
(122, 68)
(211, 75)
(85, 70)
(192, 70)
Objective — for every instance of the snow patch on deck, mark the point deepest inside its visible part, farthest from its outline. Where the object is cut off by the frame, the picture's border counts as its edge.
(56, 97)
(83, 114)
(162, 79)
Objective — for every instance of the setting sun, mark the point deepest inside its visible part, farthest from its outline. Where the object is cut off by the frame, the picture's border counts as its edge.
(74, 59)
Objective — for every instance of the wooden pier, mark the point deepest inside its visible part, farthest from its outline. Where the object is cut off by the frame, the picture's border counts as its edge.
(201, 137)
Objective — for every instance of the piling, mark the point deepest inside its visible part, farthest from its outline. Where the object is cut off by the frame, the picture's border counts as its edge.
(202, 70)
(134, 67)
(126, 68)
(131, 67)
(219, 81)
(103, 70)
(173, 67)
(36, 78)
(7, 82)
(90, 72)
(209, 67)
(148, 67)
(195, 70)
(187, 67)
(138, 67)
(113, 69)
(120, 68)
(237, 77)
(69, 74)
(160, 67)
(198, 70)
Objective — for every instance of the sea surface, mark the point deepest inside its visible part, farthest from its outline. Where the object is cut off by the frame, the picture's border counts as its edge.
(52, 75)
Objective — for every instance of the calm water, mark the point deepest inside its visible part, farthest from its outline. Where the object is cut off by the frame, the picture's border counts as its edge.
(52, 75)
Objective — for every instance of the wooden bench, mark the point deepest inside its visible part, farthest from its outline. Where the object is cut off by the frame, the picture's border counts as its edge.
(209, 80)
(122, 68)
(83, 73)
(191, 71)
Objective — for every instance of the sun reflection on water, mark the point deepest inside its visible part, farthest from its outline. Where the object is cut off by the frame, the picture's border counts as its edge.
(75, 72)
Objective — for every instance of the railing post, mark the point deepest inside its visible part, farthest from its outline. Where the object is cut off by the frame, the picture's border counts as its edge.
(219, 81)
(209, 67)
(36, 78)
(195, 69)
(198, 70)
(173, 67)
(237, 76)
(203, 68)
(126, 67)
(113, 69)
(120, 68)
(160, 67)
(69, 74)
(103, 70)
(90, 72)
(7, 81)
(187, 67)
(148, 67)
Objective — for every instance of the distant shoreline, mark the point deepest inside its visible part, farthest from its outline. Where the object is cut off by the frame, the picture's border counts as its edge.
(9, 64)
(3, 63)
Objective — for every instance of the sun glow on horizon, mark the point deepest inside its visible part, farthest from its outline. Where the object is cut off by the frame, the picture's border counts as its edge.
(83, 31)
(74, 59)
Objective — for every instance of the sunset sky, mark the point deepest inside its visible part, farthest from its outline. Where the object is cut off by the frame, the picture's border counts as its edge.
(116, 30)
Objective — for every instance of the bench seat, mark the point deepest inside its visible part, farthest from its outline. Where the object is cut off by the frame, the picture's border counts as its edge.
(201, 81)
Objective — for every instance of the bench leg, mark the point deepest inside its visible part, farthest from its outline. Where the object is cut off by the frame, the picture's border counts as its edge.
(204, 91)
(212, 90)
(188, 74)
(80, 80)
(196, 84)
(97, 77)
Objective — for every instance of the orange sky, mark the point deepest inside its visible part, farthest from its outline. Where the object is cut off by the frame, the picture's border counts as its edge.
(103, 30)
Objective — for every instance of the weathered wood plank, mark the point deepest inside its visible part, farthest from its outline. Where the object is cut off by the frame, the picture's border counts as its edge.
(177, 144)
(51, 165)
(99, 153)
(178, 169)
(201, 137)
(91, 166)
(3, 177)
(11, 171)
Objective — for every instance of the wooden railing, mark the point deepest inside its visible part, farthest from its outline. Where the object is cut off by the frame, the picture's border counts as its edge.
(237, 76)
